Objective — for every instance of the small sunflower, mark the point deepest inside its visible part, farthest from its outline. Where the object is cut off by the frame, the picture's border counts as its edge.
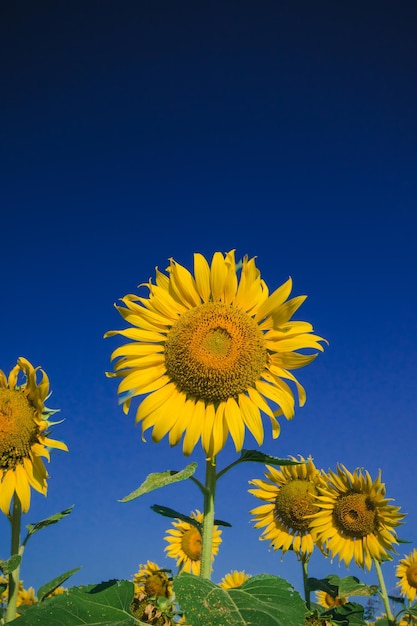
(233, 580)
(407, 573)
(354, 520)
(289, 496)
(24, 434)
(328, 601)
(152, 580)
(185, 543)
(211, 350)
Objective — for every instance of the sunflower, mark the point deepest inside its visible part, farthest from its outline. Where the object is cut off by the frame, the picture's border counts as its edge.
(328, 601)
(24, 434)
(354, 520)
(233, 580)
(407, 573)
(289, 496)
(152, 580)
(211, 350)
(185, 543)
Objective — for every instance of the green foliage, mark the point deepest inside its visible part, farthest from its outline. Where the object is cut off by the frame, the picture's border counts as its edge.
(161, 479)
(262, 600)
(46, 589)
(9, 566)
(259, 457)
(343, 587)
(106, 604)
(53, 519)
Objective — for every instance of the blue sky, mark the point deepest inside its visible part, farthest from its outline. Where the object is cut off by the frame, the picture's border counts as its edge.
(134, 132)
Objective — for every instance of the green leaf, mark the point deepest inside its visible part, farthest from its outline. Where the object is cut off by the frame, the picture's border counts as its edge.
(349, 614)
(262, 600)
(259, 457)
(46, 589)
(106, 604)
(53, 519)
(167, 512)
(343, 587)
(161, 479)
(9, 566)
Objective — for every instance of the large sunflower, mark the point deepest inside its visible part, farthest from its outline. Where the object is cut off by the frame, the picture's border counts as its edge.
(185, 543)
(289, 496)
(152, 580)
(211, 350)
(354, 520)
(407, 573)
(24, 434)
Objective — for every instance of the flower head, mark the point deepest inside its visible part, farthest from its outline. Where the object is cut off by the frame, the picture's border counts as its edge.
(152, 580)
(233, 580)
(328, 601)
(289, 497)
(407, 573)
(355, 520)
(24, 434)
(185, 543)
(211, 350)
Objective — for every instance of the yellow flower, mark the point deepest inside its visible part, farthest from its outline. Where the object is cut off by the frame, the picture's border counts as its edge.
(152, 580)
(289, 496)
(233, 580)
(26, 596)
(328, 601)
(185, 543)
(24, 434)
(211, 350)
(407, 573)
(354, 520)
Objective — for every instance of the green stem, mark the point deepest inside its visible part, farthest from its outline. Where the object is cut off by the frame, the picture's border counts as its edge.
(210, 491)
(15, 519)
(304, 562)
(383, 592)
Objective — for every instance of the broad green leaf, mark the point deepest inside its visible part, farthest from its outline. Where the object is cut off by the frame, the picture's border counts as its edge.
(259, 457)
(262, 600)
(9, 566)
(106, 604)
(46, 589)
(344, 587)
(161, 479)
(53, 519)
(351, 614)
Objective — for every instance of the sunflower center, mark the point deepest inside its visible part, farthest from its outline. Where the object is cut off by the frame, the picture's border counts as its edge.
(294, 501)
(156, 584)
(355, 515)
(412, 575)
(191, 543)
(18, 428)
(215, 352)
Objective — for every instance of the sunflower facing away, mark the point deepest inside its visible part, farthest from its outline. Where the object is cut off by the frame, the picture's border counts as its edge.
(185, 543)
(24, 434)
(152, 580)
(233, 580)
(289, 496)
(407, 573)
(211, 350)
(354, 520)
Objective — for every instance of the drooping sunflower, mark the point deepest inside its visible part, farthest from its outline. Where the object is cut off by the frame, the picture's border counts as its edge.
(233, 579)
(407, 573)
(354, 518)
(328, 601)
(24, 434)
(289, 496)
(185, 543)
(152, 580)
(211, 350)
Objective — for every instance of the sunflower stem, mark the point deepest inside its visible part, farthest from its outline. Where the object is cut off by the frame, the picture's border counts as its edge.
(383, 592)
(14, 576)
(205, 569)
(304, 562)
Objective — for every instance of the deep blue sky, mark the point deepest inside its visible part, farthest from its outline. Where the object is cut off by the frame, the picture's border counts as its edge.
(136, 131)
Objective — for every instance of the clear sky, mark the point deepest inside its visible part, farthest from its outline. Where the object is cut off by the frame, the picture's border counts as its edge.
(132, 132)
